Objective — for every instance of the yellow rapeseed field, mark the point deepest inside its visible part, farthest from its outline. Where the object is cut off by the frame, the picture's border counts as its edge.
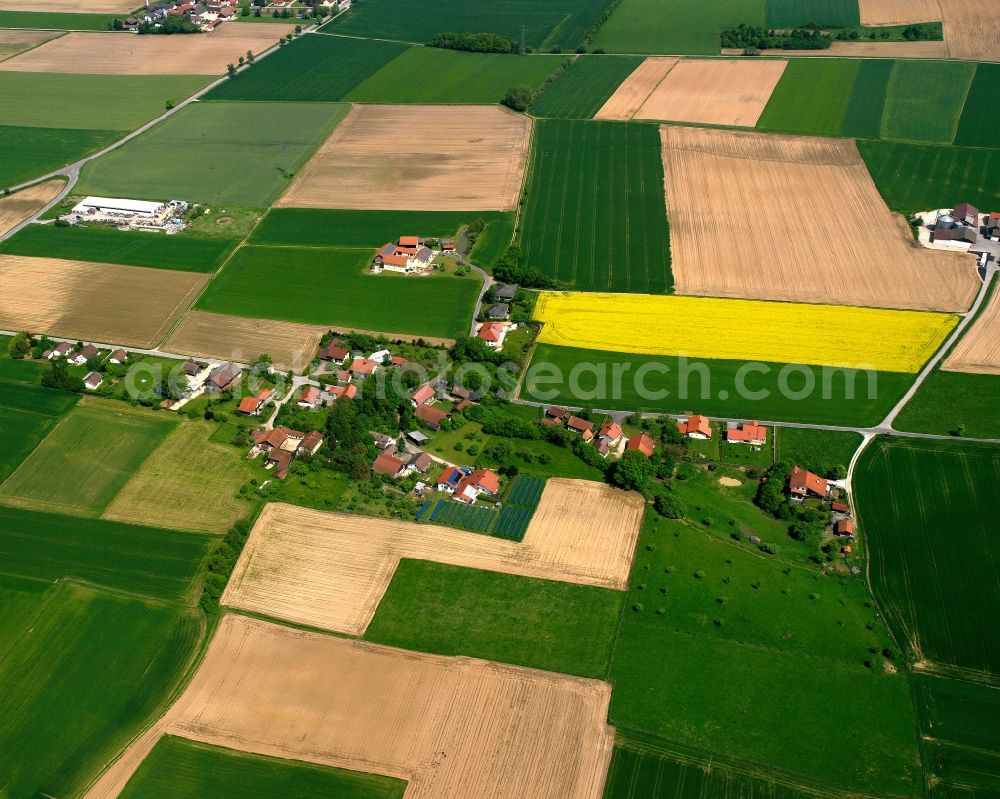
(779, 332)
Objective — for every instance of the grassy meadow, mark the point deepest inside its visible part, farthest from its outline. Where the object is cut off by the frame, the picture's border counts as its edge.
(925, 100)
(926, 507)
(44, 20)
(947, 402)
(333, 287)
(30, 151)
(812, 97)
(581, 90)
(240, 153)
(594, 215)
(818, 451)
(185, 769)
(827, 13)
(27, 414)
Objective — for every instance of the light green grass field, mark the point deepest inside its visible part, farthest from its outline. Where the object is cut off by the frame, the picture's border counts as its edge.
(27, 414)
(56, 21)
(432, 75)
(925, 100)
(239, 153)
(581, 90)
(87, 458)
(812, 97)
(818, 451)
(29, 151)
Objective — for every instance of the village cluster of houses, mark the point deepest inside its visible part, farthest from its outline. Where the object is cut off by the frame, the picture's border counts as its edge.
(609, 438)
(282, 445)
(92, 380)
(410, 255)
(206, 14)
(700, 427)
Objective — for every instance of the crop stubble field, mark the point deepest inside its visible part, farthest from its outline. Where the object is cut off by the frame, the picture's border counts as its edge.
(272, 690)
(27, 202)
(634, 90)
(331, 570)
(102, 302)
(15, 41)
(967, 35)
(787, 187)
(582, 89)
(478, 157)
(979, 348)
(70, 6)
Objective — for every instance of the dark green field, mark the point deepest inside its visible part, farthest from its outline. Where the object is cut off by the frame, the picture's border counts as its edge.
(818, 451)
(927, 510)
(812, 97)
(27, 414)
(918, 177)
(493, 241)
(135, 248)
(581, 90)
(543, 624)
(182, 769)
(558, 22)
(947, 401)
(318, 68)
(863, 118)
(54, 21)
(29, 152)
(827, 13)
(925, 99)
(838, 408)
(332, 287)
(977, 126)
(594, 217)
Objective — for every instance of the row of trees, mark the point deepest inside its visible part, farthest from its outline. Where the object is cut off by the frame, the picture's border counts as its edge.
(474, 42)
(754, 37)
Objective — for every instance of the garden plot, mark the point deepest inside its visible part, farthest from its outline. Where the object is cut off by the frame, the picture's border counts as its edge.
(431, 158)
(628, 97)
(839, 243)
(101, 302)
(451, 727)
(979, 349)
(27, 202)
(331, 570)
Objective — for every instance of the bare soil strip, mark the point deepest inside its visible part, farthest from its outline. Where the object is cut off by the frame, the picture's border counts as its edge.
(867, 49)
(71, 6)
(761, 216)
(125, 54)
(454, 728)
(714, 92)
(426, 158)
(628, 97)
(17, 41)
(235, 338)
(979, 349)
(26, 203)
(330, 570)
(95, 302)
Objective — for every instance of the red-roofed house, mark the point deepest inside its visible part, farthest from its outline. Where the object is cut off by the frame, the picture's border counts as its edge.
(389, 465)
(642, 443)
(423, 395)
(309, 398)
(334, 352)
(802, 484)
(349, 391)
(60, 349)
(844, 527)
(611, 432)
(747, 433)
(556, 412)
(362, 368)
(492, 333)
(311, 442)
(93, 380)
(581, 426)
(409, 241)
(279, 459)
(695, 427)
(432, 417)
(252, 405)
(118, 356)
(471, 486)
(397, 360)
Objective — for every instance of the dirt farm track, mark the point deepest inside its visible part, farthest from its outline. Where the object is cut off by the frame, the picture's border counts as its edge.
(453, 727)
(840, 243)
(330, 570)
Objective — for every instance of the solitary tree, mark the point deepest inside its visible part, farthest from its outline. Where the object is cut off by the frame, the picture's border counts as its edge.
(517, 98)
(231, 70)
(250, 56)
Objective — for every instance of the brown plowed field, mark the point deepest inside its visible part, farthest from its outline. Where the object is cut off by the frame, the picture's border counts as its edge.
(72, 6)
(22, 205)
(454, 728)
(867, 49)
(430, 158)
(331, 570)
(714, 92)
(899, 12)
(979, 349)
(236, 338)
(973, 35)
(125, 54)
(761, 216)
(17, 41)
(635, 89)
(97, 302)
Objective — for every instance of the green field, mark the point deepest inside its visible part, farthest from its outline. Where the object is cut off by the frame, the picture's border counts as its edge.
(927, 507)
(919, 177)
(27, 414)
(333, 287)
(977, 126)
(29, 151)
(827, 13)
(184, 252)
(240, 153)
(594, 216)
(946, 401)
(316, 68)
(759, 660)
(557, 23)
(837, 408)
(432, 75)
(581, 90)
(543, 624)
(812, 96)
(674, 27)
(183, 769)
(55, 21)
(863, 117)
(86, 459)
(925, 100)
(818, 451)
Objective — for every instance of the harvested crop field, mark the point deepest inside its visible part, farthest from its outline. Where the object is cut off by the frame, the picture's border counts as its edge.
(713, 92)
(979, 349)
(122, 54)
(787, 187)
(451, 727)
(867, 49)
(899, 12)
(70, 6)
(447, 160)
(966, 35)
(27, 202)
(628, 97)
(100, 302)
(234, 338)
(17, 41)
(331, 570)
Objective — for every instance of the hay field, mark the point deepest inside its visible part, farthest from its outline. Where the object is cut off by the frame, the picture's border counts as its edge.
(331, 570)
(16, 41)
(210, 335)
(748, 330)
(979, 349)
(187, 483)
(22, 205)
(795, 218)
(628, 97)
(434, 158)
(71, 6)
(452, 727)
(121, 54)
(899, 12)
(714, 92)
(128, 305)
